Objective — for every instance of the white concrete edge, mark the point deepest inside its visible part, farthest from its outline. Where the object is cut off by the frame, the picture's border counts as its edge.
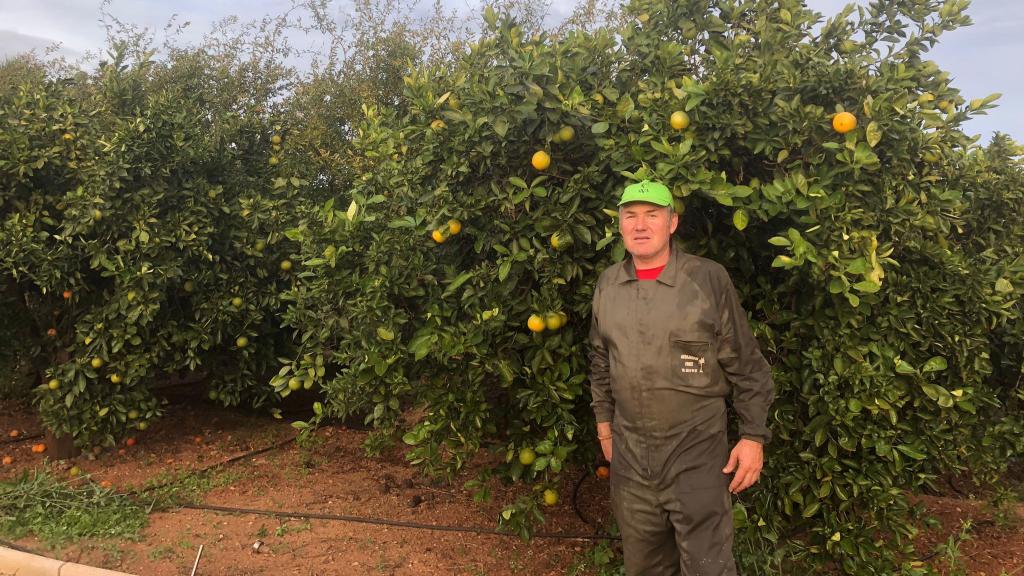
(15, 563)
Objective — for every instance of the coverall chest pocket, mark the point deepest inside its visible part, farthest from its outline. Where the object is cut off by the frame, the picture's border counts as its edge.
(693, 361)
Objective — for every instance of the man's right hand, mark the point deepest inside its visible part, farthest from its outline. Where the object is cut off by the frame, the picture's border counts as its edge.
(604, 434)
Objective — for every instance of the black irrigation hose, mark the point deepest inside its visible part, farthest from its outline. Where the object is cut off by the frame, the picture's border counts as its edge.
(575, 500)
(233, 459)
(387, 522)
(25, 438)
(13, 546)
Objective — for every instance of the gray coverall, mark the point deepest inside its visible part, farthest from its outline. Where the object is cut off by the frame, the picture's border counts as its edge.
(664, 355)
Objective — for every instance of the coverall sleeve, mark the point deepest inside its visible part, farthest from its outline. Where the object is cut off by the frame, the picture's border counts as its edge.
(740, 358)
(600, 379)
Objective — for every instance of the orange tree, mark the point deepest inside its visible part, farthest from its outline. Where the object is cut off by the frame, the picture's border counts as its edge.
(142, 229)
(823, 165)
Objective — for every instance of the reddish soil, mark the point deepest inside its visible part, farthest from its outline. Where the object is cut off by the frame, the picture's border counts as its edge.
(338, 478)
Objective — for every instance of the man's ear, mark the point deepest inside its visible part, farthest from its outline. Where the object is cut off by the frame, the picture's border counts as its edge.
(675, 220)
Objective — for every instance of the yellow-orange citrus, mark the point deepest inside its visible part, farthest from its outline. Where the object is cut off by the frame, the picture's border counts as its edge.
(541, 160)
(438, 236)
(552, 321)
(550, 497)
(844, 122)
(535, 323)
(454, 226)
(679, 120)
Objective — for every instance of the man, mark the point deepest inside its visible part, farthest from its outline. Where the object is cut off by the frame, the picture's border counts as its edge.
(669, 340)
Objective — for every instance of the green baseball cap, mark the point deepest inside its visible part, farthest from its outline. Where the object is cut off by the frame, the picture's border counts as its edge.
(647, 191)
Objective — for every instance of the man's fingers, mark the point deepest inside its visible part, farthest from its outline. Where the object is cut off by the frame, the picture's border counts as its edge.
(743, 481)
(734, 459)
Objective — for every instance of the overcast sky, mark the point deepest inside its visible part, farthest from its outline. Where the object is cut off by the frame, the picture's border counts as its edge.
(981, 58)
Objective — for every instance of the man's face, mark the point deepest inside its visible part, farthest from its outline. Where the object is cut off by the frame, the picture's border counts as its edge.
(646, 228)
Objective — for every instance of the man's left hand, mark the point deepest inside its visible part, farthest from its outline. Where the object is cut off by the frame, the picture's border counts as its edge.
(746, 459)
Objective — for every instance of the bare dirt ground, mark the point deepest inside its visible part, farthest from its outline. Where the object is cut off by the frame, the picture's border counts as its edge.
(337, 477)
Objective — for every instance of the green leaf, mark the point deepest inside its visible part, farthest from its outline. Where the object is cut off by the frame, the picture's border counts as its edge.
(740, 219)
(500, 126)
(385, 334)
(1003, 286)
(903, 367)
(456, 283)
(874, 134)
(867, 287)
(599, 128)
(934, 364)
(779, 241)
(910, 452)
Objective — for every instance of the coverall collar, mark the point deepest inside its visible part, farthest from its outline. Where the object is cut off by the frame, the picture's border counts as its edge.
(667, 277)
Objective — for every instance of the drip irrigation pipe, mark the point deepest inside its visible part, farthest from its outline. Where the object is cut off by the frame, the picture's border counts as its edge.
(233, 459)
(388, 522)
(24, 438)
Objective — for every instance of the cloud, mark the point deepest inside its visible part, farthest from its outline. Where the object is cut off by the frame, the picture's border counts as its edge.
(13, 43)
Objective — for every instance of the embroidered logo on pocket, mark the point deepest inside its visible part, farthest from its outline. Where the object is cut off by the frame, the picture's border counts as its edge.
(692, 364)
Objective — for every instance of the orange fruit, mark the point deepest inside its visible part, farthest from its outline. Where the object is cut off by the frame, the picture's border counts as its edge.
(115, 379)
(198, 439)
(541, 160)
(189, 286)
(67, 294)
(242, 342)
(535, 323)
(552, 321)
(527, 456)
(236, 301)
(273, 161)
(438, 124)
(69, 136)
(8, 460)
(38, 448)
(844, 122)
(52, 332)
(14, 433)
(560, 242)
(550, 497)
(142, 425)
(275, 139)
(438, 236)
(602, 472)
(454, 226)
(129, 442)
(294, 383)
(75, 472)
(106, 484)
(679, 120)
(53, 384)
(96, 363)
(566, 134)
(286, 265)
(97, 215)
